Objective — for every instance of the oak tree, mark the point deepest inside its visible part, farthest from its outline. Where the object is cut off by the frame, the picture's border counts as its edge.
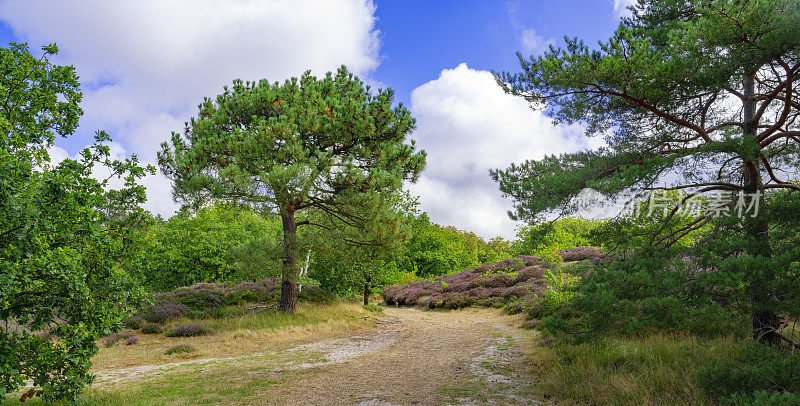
(68, 237)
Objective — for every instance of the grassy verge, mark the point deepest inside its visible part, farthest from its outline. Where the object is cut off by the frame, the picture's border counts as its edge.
(229, 386)
(654, 370)
(245, 380)
(245, 334)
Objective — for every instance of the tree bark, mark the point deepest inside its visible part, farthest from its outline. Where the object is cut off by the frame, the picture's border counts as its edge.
(290, 272)
(765, 321)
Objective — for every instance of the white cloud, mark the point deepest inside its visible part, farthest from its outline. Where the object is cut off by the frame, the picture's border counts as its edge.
(621, 8)
(468, 125)
(147, 64)
(533, 43)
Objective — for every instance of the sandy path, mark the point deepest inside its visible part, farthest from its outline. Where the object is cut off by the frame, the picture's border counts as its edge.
(413, 357)
(431, 350)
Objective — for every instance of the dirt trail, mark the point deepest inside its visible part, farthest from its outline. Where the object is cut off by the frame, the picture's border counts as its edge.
(459, 357)
(415, 357)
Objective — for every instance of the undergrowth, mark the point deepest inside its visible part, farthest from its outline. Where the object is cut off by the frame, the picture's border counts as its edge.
(647, 370)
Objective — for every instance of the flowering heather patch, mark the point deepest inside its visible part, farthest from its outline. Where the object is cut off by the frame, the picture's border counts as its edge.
(133, 322)
(580, 253)
(203, 300)
(415, 293)
(151, 328)
(114, 338)
(189, 330)
(458, 286)
(160, 312)
(479, 292)
(531, 272)
(132, 340)
(508, 282)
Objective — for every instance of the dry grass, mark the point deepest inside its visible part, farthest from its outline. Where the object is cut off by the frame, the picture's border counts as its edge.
(242, 335)
(655, 370)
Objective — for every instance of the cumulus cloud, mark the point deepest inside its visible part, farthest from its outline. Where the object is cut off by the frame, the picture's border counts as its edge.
(145, 65)
(468, 125)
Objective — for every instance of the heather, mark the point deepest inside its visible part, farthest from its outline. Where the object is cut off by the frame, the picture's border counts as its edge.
(151, 328)
(114, 338)
(509, 283)
(289, 193)
(189, 330)
(218, 300)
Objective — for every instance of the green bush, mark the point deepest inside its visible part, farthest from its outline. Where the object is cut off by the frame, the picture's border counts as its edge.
(133, 322)
(314, 294)
(373, 308)
(180, 349)
(763, 398)
(758, 375)
(652, 291)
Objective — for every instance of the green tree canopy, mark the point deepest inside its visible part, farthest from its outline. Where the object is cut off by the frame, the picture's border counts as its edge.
(66, 239)
(321, 152)
(555, 235)
(698, 96)
(214, 244)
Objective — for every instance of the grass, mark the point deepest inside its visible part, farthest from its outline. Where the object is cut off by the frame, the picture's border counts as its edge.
(654, 370)
(248, 334)
(245, 380)
(237, 385)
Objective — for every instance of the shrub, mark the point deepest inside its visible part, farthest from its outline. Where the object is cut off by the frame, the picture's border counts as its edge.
(494, 285)
(245, 292)
(220, 242)
(133, 322)
(373, 308)
(132, 340)
(651, 290)
(163, 311)
(580, 253)
(315, 294)
(763, 398)
(189, 330)
(151, 328)
(113, 338)
(180, 349)
(194, 297)
(407, 277)
(553, 257)
(758, 375)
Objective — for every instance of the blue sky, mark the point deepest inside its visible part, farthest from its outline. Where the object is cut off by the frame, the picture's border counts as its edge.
(420, 38)
(145, 66)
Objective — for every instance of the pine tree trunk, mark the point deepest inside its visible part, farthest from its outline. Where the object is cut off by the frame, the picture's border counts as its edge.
(290, 266)
(764, 319)
(367, 291)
